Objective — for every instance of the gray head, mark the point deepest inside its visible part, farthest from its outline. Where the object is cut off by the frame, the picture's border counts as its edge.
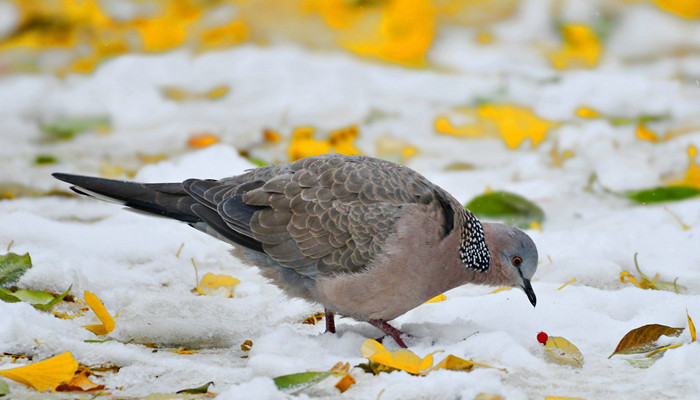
(513, 259)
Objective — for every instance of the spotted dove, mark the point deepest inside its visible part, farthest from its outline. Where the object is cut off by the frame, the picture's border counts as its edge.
(366, 238)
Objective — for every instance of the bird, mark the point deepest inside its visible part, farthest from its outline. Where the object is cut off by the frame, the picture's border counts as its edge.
(364, 237)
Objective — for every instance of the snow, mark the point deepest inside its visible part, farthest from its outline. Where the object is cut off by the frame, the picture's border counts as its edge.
(130, 261)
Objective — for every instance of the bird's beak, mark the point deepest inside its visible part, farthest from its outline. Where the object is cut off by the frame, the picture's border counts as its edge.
(527, 288)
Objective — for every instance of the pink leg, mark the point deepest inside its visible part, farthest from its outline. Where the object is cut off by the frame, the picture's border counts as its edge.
(330, 321)
(389, 331)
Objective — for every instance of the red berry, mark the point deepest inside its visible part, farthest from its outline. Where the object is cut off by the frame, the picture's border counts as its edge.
(542, 337)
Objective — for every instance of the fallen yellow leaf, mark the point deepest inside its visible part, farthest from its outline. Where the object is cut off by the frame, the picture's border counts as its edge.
(691, 327)
(454, 363)
(586, 112)
(202, 140)
(500, 289)
(99, 309)
(218, 285)
(561, 351)
(345, 383)
(79, 383)
(645, 133)
(46, 374)
(438, 298)
(692, 175)
(581, 48)
(402, 359)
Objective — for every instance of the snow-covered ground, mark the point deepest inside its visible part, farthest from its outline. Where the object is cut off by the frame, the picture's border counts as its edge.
(130, 261)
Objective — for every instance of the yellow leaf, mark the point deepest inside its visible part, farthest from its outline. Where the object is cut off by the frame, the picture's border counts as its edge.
(202, 140)
(586, 112)
(561, 351)
(501, 289)
(228, 35)
(692, 175)
(581, 48)
(562, 398)
(662, 349)
(513, 123)
(218, 285)
(454, 363)
(79, 383)
(438, 298)
(402, 359)
(342, 140)
(169, 29)
(246, 346)
(643, 339)
(217, 93)
(645, 134)
(487, 396)
(271, 136)
(304, 145)
(313, 319)
(345, 383)
(685, 8)
(46, 374)
(691, 327)
(99, 309)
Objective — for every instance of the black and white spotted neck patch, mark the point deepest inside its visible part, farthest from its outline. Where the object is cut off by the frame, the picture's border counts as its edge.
(473, 251)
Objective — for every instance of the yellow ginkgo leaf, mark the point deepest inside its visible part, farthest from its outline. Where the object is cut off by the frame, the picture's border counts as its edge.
(438, 298)
(645, 133)
(99, 309)
(454, 363)
(561, 351)
(581, 48)
(46, 374)
(218, 285)
(402, 359)
(587, 112)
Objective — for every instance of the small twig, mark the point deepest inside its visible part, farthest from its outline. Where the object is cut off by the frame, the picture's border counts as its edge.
(196, 276)
(177, 255)
(9, 246)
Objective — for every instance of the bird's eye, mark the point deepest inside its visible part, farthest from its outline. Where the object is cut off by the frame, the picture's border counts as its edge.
(517, 261)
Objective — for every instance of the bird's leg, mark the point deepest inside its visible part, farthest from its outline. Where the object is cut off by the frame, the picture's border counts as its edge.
(389, 331)
(330, 321)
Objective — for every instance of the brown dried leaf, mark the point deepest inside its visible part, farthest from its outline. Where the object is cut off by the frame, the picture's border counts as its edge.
(345, 383)
(643, 339)
(79, 383)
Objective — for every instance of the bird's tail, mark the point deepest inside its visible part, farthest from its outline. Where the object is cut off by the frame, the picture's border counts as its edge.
(163, 199)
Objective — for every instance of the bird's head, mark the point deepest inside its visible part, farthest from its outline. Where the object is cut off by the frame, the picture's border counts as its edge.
(513, 257)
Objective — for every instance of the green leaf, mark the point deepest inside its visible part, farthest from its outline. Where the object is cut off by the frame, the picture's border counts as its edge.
(48, 306)
(67, 128)
(198, 390)
(97, 340)
(661, 194)
(4, 389)
(295, 383)
(12, 267)
(8, 297)
(40, 300)
(45, 159)
(510, 208)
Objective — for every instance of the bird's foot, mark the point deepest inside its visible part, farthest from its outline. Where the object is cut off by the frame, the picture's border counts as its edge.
(389, 331)
(330, 321)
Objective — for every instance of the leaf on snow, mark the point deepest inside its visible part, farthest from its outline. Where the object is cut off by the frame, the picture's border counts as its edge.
(295, 383)
(643, 339)
(46, 374)
(218, 285)
(99, 309)
(664, 193)
(454, 363)
(12, 267)
(561, 351)
(4, 389)
(510, 208)
(79, 383)
(645, 283)
(691, 327)
(402, 359)
(67, 128)
(345, 383)
(40, 300)
(197, 390)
